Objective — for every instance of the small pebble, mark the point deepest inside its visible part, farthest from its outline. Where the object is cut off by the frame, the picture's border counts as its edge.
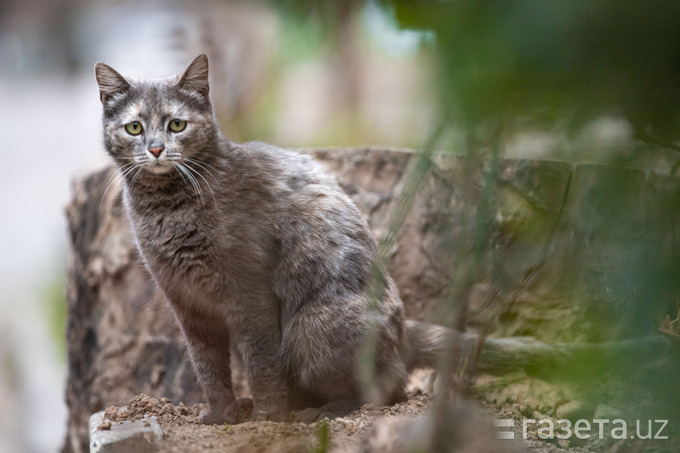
(105, 426)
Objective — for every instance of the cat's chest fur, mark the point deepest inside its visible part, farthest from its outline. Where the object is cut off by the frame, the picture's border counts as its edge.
(213, 250)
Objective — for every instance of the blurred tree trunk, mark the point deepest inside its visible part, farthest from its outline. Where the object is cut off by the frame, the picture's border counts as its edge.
(346, 60)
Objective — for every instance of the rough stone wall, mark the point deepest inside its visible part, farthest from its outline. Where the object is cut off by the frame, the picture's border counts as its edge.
(540, 218)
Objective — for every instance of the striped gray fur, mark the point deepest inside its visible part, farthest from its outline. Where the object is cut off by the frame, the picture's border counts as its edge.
(256, 249)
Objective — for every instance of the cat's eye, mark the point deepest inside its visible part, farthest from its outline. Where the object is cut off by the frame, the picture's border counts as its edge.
(134, 128)
(177, 125)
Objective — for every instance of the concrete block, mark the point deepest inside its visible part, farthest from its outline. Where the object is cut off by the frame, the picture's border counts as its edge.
(141, 436)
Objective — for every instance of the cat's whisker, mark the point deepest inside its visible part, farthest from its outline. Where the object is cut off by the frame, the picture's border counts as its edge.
(184, 176)
(198, 183)
(193, 180)
(135, 176)
(195, 162)
(190, 168)
(117, 177)
(131, 166)
(181, 174)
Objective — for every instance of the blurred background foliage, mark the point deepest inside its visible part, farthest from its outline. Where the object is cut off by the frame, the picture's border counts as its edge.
(544, 65)
(504, 67)
(551, 61)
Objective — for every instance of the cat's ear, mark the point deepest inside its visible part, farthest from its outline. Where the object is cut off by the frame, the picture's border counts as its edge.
(109, 81)
(196, 76)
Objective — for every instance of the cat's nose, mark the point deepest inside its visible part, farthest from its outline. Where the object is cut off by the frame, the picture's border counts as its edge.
(156, 150)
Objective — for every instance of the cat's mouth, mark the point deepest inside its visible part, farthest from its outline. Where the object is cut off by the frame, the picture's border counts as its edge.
(159, 167)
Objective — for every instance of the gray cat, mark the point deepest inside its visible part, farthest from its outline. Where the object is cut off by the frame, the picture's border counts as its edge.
(255, 248)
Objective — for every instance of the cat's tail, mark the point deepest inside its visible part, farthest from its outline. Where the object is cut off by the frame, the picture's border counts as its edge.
(427, 344)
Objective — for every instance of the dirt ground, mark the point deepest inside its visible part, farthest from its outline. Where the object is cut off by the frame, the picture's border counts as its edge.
(368, 428)
(353, 432)
(184, 432)
(402, 427)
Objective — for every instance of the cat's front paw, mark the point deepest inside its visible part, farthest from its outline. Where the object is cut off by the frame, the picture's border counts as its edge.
(276, 415)
(220, 415)
(334, 409)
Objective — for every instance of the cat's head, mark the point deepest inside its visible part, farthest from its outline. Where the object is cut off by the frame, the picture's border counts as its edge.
(157, 125)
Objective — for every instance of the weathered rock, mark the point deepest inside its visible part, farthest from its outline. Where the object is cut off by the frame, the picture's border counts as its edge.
(540, 217)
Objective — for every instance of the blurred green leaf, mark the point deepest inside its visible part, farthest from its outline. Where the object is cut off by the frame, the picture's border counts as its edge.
(550, 59)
